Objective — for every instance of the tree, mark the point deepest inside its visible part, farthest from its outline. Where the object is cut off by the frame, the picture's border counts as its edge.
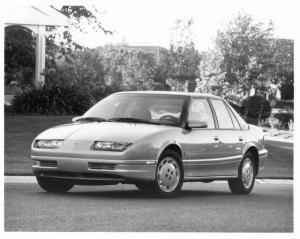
(162, 69)
(283, 61)
(128, 69)
(211, 74)
(19, 55)
(86, 71)
(138, 71)
(246, 51)
(184, 58)
(82, 19)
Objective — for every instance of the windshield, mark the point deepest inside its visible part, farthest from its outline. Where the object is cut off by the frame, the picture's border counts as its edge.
(139, 108)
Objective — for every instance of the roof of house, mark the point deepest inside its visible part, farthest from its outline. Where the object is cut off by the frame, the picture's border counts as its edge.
(35, 15)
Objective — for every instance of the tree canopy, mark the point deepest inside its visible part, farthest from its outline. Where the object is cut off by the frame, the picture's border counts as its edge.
(247, 54)
(184, 59)
(19, 55)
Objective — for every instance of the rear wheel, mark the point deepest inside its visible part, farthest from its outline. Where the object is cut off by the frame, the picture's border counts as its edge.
(54, 185)
(246, 176)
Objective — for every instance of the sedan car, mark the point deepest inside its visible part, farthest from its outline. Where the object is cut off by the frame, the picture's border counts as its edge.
(155, 140)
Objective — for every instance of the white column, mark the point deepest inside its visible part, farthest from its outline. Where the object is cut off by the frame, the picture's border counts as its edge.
(40, 53)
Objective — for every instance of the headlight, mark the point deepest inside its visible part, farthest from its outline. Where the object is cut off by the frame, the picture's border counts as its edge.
(48, 144)
(111, 146)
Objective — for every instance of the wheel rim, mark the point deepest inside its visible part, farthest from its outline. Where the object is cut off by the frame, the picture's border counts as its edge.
(168, 174)
(247, 173)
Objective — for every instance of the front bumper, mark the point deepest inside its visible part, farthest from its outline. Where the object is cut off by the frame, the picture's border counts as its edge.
(85, 171)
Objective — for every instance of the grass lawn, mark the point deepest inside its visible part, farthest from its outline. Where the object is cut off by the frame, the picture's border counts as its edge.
(21, 130)
(19, 133)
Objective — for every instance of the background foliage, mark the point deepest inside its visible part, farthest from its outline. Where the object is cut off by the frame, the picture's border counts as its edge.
(245, 56)
(19, 55)
(52, 101)
(256, 107)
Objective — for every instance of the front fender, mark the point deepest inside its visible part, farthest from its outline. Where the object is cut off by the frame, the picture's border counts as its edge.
(165, 145)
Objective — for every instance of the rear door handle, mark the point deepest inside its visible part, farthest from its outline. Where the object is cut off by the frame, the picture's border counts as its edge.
(241, 138)
(216, 138)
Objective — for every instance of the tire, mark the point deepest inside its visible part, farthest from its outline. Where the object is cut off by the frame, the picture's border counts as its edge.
(246, 176)
(169, 175)
(54, 185)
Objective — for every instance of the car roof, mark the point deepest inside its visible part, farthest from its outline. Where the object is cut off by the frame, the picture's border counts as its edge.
(191, 94)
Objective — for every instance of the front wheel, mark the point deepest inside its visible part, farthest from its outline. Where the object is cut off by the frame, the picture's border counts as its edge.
(246, 176)
(169, 174)
(54, 185)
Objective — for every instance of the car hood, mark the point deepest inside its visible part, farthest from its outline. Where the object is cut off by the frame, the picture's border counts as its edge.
(110, 131)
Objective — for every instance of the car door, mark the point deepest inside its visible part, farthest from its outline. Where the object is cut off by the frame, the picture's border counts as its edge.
(203, 143)
(231, 138)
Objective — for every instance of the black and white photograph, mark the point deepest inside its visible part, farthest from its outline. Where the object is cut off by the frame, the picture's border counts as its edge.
(141, 116)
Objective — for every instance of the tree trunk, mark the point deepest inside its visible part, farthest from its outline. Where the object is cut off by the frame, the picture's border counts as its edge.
(246, 111)
(192, 85)
(260, 112)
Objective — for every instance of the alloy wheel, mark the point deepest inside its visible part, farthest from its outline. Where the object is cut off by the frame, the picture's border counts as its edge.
(247, 173)
(168, 174)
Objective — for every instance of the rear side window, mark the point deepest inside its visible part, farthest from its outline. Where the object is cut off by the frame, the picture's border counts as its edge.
(222, 113)
(243, 124)
(200, 111)
(234, 120)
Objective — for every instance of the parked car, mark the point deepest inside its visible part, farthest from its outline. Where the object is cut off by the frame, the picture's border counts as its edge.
(155, 140)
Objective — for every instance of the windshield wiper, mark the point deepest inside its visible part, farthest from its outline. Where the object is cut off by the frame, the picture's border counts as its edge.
(90, 119)
(132, 120)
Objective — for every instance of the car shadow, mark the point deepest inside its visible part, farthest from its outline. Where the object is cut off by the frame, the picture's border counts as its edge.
(136, 194)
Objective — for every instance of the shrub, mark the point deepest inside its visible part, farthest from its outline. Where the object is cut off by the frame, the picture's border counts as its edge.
(287, 90)
(52, 100)
(99, 93)
(283, 119)
(256, 107)
(7, 109)
(236, 107)
(283, 104)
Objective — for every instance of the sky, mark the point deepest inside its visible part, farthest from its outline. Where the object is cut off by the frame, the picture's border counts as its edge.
(141, 22)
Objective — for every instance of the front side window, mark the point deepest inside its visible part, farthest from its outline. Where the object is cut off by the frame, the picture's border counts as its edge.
(222, 113)
(200, 111)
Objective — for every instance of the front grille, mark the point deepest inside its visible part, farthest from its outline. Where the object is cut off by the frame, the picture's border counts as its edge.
(47, 163)
(101, 166)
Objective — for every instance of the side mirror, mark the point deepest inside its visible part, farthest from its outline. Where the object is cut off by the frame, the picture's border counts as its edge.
(196, 124)
(75, 119)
